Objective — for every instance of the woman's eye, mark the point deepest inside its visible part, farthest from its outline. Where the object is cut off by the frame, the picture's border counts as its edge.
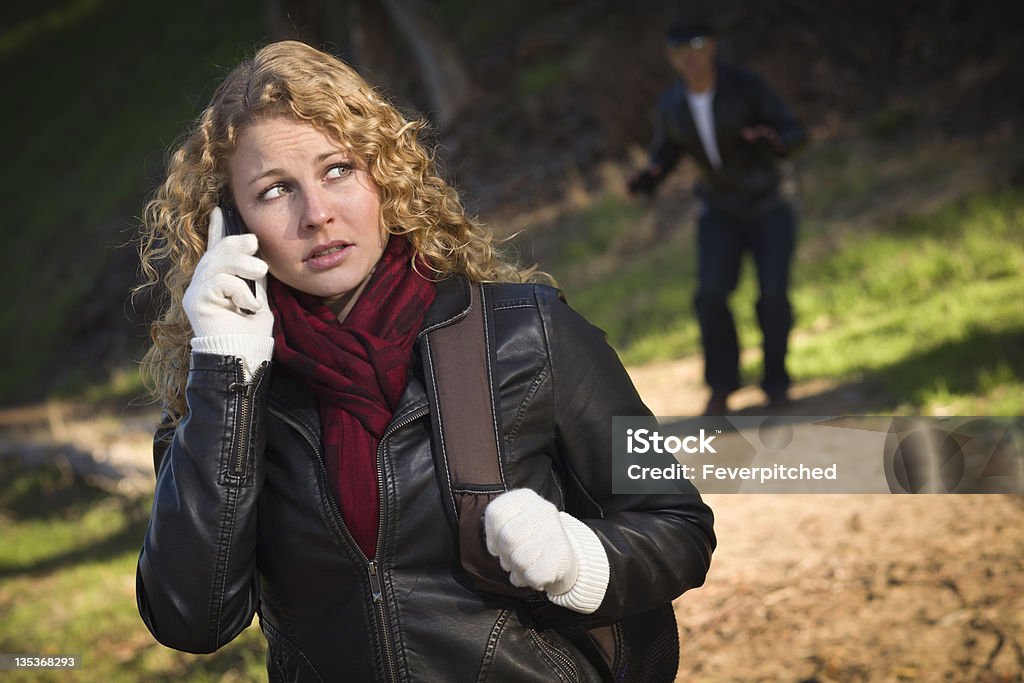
(273, 192)
(339, 170)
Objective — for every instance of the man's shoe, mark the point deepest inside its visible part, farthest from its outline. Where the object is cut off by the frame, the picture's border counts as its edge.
(717, 404)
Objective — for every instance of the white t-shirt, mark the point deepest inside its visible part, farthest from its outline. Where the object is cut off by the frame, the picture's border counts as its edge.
(704, 119)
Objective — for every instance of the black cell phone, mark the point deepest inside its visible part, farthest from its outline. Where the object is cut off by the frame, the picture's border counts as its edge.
(233, 225)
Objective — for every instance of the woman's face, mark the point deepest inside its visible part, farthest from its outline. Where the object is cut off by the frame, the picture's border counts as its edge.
(313, 206)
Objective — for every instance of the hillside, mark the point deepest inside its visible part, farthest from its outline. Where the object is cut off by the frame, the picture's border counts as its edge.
(560, 115)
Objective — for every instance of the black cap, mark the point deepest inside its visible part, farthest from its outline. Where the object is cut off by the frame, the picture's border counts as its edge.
(683, 31)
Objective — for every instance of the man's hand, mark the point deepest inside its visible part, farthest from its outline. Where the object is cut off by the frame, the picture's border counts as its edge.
(754, 134)
(645, 181)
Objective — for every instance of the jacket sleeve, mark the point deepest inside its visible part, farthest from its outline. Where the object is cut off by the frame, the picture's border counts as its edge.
(772, 111)
(658, 545)
(664, 152)
(196, 583)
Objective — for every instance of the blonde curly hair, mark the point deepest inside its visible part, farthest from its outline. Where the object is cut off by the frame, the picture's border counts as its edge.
(295, 80)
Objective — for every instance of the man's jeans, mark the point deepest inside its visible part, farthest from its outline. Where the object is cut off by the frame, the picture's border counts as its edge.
(721, 241)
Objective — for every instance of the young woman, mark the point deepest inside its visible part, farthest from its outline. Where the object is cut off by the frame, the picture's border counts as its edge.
(297, 471)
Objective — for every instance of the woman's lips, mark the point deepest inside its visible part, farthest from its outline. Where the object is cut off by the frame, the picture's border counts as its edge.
(328, 256)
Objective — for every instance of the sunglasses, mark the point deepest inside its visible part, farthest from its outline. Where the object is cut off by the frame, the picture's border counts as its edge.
(695, 43)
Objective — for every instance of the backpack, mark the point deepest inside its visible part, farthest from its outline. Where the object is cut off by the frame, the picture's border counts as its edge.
(466, 424)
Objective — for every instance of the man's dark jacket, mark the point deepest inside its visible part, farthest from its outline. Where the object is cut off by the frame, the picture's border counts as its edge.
(244, 522)
(748, 179)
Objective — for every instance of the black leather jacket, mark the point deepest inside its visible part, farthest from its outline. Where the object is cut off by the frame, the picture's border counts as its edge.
(243, 521)
(747, 181)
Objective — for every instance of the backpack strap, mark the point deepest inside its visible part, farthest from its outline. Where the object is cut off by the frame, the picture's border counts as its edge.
(468, 432)
(467, 428)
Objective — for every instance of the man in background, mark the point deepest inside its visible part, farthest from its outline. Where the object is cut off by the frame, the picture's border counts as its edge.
(736, 129)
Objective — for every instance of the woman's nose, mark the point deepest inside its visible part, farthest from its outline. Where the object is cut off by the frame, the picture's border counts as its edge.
(316, 211)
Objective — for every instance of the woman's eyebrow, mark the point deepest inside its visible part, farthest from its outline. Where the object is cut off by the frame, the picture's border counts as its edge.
(327, 155)
(320, 158)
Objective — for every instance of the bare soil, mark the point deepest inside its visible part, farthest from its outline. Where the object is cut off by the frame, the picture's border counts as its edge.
(848, 587)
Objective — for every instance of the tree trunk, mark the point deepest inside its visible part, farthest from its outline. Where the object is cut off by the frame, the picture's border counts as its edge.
(444, 74)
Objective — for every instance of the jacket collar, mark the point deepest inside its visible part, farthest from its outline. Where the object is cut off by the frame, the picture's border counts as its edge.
(451, 302)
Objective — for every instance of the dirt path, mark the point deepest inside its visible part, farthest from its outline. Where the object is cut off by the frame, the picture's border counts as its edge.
(112, 451)
(848, 587)
(802, 587)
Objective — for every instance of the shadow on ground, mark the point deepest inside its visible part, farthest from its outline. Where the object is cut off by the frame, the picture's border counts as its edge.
(52, 493)
(974, 365)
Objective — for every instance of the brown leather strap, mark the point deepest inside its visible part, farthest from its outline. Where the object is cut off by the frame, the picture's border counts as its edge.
(470, 436)
(461, 359)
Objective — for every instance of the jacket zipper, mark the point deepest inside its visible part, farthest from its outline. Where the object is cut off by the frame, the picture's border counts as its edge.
(390, 663)
(377, 590)
(372, 567)
(247, 393)
(560, 657)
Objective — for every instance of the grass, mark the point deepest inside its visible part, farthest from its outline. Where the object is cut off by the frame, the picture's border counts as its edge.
(930, 304)
(888, 122)
(67, 586)
(123, 388)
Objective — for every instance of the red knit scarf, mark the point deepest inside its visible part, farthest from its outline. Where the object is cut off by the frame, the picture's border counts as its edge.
(358, 371)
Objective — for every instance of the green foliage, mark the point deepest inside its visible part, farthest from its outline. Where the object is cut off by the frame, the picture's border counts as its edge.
(477, 24)
(538, 77)
(67, 586)
(888, 122)
(99, 89)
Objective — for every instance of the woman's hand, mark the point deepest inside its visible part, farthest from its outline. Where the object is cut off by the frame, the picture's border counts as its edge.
(547, 550)
(229, 318)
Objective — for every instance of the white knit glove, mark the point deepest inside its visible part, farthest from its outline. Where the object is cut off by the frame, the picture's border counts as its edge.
(227, 318)
(547, 550)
